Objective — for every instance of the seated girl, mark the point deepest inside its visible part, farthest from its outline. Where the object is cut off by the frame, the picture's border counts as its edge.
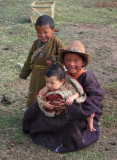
(60, 86)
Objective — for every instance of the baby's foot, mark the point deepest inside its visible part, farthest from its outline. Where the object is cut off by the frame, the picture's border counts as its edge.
(92, 129)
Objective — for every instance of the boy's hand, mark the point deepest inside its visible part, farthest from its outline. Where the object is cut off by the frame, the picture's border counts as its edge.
(48, 105)
(48, 62)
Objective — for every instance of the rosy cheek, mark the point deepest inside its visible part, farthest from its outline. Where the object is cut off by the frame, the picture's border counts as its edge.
(78, 66)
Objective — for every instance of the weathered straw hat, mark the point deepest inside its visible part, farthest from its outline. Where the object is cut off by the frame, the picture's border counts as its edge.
(74, 47)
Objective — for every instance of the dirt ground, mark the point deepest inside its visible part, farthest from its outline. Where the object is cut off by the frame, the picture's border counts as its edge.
(112, 4)
(100, 38)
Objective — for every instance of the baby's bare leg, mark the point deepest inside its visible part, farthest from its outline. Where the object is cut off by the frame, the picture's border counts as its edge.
(90, 122)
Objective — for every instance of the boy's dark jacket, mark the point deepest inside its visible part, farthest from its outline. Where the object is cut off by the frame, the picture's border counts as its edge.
(37, 77)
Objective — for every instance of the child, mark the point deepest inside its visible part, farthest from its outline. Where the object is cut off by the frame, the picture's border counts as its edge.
(60, 86)
(43, 53)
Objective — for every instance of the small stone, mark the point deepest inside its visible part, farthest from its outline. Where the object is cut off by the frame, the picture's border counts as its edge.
(113, 143)
(107, 149)
(81, 32)
(6, 49)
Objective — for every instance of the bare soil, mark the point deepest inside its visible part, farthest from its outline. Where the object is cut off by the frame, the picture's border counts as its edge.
(112, 4)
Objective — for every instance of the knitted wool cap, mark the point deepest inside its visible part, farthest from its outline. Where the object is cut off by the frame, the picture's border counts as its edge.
(74, 47)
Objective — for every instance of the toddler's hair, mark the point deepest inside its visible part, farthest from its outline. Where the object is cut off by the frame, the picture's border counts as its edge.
(44, 20)
(55, 70)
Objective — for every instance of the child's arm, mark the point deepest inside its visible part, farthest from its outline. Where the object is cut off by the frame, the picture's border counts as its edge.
(70, 99)
(26, 70)
(43, 105)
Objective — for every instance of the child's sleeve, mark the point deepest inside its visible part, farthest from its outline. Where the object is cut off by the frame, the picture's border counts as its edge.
(26, 70)
(93, 102)
(59, 44)
(76, 87)
(41, 102)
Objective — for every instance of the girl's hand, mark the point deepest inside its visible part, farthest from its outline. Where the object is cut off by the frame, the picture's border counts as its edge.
(48, 105)
(59, 103)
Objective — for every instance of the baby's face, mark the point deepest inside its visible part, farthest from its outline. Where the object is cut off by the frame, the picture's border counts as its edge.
(53, 83)
(44, 32)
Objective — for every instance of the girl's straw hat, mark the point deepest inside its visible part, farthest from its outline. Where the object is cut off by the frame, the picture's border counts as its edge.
(74, 47)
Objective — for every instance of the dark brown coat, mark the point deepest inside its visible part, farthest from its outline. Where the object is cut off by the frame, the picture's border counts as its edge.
(68, 132)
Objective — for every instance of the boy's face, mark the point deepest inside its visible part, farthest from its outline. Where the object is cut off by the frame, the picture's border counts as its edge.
(53, 83)
(45, 32)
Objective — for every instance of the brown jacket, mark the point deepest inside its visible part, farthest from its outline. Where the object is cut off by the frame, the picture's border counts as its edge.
(34, 61)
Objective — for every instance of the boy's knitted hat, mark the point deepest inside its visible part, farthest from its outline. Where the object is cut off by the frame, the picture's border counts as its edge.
(75, 47)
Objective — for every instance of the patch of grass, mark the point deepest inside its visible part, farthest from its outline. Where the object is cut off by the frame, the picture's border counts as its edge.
(109, 120)
(111, 68)
(10, 11)
(75, 11)
(89, 154)
(10, 120)
(99, 52)
(81, 13)
(111, 87)
(16, 135)
(10, 127)
(113, 26)
(110, 112)
(105, 50)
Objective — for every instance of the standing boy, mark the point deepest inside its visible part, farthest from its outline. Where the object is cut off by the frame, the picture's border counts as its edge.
(43, 53)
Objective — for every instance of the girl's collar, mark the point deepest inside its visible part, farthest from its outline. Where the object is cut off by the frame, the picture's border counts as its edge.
(78, 74)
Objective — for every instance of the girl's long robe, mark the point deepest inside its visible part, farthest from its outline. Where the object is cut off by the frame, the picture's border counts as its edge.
(35, 64)
(67, 132)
